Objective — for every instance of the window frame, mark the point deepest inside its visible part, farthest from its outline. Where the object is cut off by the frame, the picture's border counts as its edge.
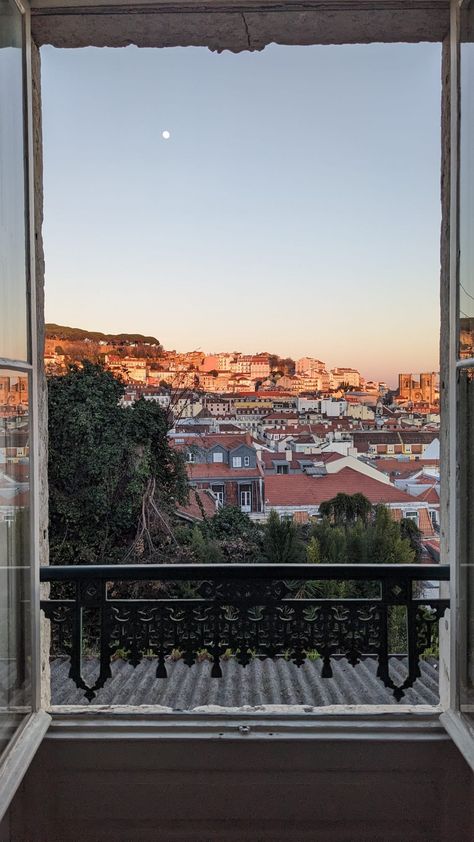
(460, 729)
(19, 752)
(358, 30)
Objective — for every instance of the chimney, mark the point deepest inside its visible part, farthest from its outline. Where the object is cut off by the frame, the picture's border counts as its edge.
(288, 455)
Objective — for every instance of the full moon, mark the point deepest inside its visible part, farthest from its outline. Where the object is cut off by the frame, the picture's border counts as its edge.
(165, 135)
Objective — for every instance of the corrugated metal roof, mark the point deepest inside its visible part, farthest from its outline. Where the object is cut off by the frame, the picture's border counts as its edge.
(269, 682)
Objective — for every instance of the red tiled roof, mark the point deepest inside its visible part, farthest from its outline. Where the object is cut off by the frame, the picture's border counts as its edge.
(403, 467)
(228, 440)
(302, 490)
(430, 495)
(214, 470)
(424, 523)
(192, 510)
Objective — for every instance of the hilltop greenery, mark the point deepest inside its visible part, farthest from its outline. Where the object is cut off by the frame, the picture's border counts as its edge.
(74, 334)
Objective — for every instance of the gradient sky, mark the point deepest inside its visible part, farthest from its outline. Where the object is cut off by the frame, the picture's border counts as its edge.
(295, 207)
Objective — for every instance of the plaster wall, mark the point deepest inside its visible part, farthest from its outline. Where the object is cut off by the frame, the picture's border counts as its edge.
(229, 25)
(244, 789)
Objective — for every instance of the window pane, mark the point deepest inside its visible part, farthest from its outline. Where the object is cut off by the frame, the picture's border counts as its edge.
(14, 552)
(466, 192)
(13, 323)
(466, 534)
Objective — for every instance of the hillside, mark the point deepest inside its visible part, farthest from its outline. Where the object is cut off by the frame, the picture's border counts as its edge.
(78, 334)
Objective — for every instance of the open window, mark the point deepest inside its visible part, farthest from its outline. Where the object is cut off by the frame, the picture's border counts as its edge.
(22, 724)
(459, 719)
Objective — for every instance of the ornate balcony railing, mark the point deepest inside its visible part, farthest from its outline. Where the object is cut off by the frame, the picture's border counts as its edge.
(263, 611)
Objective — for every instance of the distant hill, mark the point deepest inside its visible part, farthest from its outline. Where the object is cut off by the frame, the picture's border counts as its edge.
(77, 334)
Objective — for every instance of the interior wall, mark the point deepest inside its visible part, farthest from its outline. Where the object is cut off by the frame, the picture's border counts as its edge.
(234, 26)
(191, 790)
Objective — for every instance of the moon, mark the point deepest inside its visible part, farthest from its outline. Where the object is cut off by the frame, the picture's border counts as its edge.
(165, 134)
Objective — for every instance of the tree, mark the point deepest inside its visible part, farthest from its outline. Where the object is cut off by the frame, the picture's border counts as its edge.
(346, 508)
(281, 542)
(110, 468)
(386, 545)
(313, 551)
(410, 531)
(238, 537)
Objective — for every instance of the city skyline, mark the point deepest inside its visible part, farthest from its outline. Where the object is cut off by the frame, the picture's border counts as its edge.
(59, 338)
(295, 204)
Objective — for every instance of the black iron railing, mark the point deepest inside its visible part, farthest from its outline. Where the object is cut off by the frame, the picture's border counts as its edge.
(263, 611)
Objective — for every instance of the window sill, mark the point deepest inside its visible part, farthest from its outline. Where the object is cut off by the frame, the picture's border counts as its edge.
(339, 722)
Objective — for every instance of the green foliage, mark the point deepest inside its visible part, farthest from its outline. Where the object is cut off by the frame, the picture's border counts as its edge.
(313, 551)
(231, 522)
(205, 549)
(103, 459)
(54, 331)
(233, 537)
(282, 544)
(410, 531)
(344, 509)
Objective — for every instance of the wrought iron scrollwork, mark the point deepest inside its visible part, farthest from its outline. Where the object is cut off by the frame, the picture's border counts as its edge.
(250, 616)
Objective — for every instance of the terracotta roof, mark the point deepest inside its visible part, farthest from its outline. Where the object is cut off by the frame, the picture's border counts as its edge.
(228, 440)
(327, 457)
(192, 511)
(402, 467)
(424, 523)
(268, 457)
(430, 495)
(215, 470)
(302, 490)
(362, 439)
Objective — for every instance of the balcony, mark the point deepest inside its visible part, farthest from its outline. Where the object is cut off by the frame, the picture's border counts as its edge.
(218, 619)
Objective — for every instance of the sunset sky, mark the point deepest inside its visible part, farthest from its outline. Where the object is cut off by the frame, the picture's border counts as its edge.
(294, 208)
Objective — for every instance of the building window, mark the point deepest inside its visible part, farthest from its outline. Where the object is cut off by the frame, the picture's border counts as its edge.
(246, 499)
(282, 469)
(412, 515)
(218, 491)
(236, 461)
(246, 461)
(390, 448)
(218, 457)
(190, 456)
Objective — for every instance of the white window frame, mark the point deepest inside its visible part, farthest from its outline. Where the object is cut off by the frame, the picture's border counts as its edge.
(458, 726)
(24, 743)
(246, 461)
(245, 494)
(218, 456)
(236, 461)
(80, 724)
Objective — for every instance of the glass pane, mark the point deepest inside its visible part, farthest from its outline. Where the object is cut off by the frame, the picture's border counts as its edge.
(15, 678)
(466, 535)
(466, 191)
(13, 310)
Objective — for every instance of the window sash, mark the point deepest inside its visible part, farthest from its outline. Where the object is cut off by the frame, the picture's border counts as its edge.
(459, 726)
(23, 744)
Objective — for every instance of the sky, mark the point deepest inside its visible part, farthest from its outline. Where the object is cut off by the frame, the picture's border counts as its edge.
(294, 208)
